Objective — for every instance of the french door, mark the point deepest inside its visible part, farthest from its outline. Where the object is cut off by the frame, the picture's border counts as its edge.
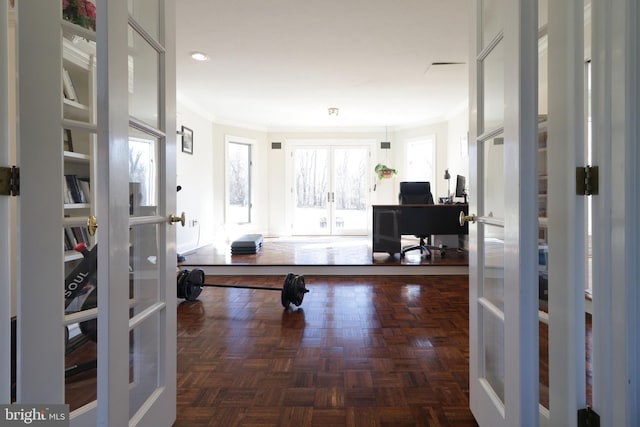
(5, 215)
(330, 189)
(123, 127)
(616, 233)
(537, 150)
(503, 296)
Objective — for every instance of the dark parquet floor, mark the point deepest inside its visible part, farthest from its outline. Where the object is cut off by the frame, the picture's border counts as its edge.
(366, 350)
(359, 351)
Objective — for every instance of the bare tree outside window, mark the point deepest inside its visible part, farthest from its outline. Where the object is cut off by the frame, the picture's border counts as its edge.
(239, 182)
(142, 171)
(351, 179)
(311, 178)
(330, 189)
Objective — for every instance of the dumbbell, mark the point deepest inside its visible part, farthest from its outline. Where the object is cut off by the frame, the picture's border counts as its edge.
(191, 282)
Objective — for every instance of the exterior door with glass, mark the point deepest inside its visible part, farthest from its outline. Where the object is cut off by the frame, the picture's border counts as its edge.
(503, 308)
(330, 189)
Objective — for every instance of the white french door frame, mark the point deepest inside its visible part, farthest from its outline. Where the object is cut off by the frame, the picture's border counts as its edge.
(115, 326)
(616, 270)
(616, 233)
(329, 145)
(5, 216)
(41, 346)
(566, 214)
(519, 36)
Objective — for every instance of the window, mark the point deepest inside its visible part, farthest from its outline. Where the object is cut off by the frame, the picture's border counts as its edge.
(238, 182)
(421, 161)
(142, 169)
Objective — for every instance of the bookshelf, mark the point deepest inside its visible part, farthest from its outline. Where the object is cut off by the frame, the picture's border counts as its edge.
(78, 143)
(78, 136)
(542, 180)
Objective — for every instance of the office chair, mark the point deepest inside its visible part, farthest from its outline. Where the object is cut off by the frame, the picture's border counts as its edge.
(414, 193)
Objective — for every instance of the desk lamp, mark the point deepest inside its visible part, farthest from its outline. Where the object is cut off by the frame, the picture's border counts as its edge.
(448, 178)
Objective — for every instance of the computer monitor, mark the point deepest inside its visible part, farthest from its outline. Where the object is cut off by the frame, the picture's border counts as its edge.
(460, 187)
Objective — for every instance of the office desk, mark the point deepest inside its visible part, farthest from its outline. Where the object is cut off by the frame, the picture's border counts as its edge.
(390, 222)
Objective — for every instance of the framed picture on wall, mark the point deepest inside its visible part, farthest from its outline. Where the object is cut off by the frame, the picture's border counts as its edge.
(187, 140)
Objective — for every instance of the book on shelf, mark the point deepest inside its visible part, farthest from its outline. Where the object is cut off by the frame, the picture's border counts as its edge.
(68, 90)
(75, 235)
(68, 239)
(67, 141)
(85, 189)
(73, 190)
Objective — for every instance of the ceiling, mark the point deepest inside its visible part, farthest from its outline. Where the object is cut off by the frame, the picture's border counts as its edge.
(281, 64)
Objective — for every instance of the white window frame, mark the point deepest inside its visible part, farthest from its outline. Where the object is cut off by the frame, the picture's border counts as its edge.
(230, 139)
(411, 170)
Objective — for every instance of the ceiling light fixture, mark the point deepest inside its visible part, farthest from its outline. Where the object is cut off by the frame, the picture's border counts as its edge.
(199, 56)
(333, 111)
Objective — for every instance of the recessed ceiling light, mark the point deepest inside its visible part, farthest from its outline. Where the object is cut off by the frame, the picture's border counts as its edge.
(333, 111)
(199, 56)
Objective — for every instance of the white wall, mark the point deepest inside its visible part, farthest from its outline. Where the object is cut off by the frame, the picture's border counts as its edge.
(196, 177)
(202, 175)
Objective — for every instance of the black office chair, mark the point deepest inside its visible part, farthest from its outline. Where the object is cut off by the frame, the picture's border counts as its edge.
(414, 193)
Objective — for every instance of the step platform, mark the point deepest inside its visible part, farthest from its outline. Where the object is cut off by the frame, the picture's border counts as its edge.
(247, 244)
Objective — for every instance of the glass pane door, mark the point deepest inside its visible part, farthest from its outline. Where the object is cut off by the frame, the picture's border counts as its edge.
(151, 196)
(311, 191)
(350, 202)
(330, 190)
(503, 309)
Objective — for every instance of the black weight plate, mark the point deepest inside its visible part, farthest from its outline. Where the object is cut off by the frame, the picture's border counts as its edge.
(293, 290)
(299, 291)
(193, 284)
(286, 290)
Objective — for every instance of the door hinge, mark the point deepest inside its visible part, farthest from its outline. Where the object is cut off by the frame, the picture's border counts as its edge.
(587, 417)
(586, 180)
(9, 181)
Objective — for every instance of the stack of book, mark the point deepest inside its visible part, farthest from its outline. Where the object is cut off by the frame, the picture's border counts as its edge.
(76, 190)
(75, 235)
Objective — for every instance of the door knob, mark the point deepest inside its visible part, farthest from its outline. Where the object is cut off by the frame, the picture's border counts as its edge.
(92, 225)
(464, 218)
(181, 219)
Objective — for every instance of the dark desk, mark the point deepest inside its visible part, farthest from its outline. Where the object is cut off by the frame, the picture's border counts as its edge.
(390, 222)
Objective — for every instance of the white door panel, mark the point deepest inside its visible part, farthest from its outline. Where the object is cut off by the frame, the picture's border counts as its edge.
(121, 115)
(503, 301)
(616, 108)
(566, 214)
(5, 218)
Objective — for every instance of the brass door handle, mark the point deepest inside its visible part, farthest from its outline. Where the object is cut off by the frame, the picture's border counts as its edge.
(465, 218)
(181, 219)
(92, 225)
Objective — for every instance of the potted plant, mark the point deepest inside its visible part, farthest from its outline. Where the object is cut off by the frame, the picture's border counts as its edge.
(80, 12)
(384, 171)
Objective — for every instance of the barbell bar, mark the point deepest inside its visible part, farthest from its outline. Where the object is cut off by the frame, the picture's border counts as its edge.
(191, 282)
